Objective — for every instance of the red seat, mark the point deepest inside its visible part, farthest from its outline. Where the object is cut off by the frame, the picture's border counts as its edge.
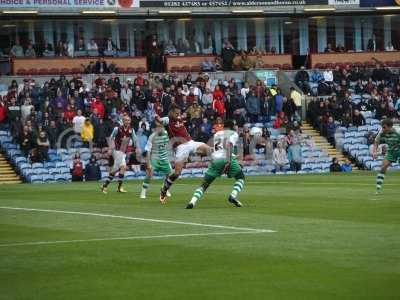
(319, 66)
(54, 71)
(21, 72)
(130, 70)
(369, 64)
(76, 70)
(329, 66)
(276, 66)
(43, 71)
(390, 63)
(350, 64)
(358, 64)
(195, 69)
(267, 66)
(32, 71)
(286, 67)
(121, 70)
(185, 69)
(65, 71)
(340, 65)
(397, 63)
(140, 70)
(175, 69)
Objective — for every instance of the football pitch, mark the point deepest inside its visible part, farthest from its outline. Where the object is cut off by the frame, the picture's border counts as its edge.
(297, 237)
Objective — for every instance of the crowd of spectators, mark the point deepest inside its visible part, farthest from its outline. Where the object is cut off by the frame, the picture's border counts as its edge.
(46, 116)
(343, 94)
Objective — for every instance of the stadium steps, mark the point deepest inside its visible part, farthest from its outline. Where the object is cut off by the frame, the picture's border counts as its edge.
(323, 143)
(7, 173)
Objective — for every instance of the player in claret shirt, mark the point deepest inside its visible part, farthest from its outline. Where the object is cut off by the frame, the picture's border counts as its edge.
(182, 143)
(121, 137)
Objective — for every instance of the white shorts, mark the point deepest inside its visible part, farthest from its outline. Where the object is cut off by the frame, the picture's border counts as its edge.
(184, 150)
(119, 160)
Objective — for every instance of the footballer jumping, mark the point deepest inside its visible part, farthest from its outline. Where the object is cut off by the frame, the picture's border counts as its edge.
(183, 144)
(224, 161)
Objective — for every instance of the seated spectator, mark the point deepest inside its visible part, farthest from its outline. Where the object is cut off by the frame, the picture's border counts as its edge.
(92, 46)
(389, 47)
(101, 66)
(182, 46)
(245, 62)
(17, 50)
(279, 157)
(87, 133)
(92, 170)
(358, 118)
(43, 145)
(30, 51)
(340, 48)
(328, 48)
(110, 46)
(208, 65)
(80, 46)
(77, 168)
(335, 166)
(302, 80)
(169, 48)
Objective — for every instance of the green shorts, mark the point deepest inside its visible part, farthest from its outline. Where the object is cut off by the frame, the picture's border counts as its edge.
(393, 156)
(216, 168)
(161, 166)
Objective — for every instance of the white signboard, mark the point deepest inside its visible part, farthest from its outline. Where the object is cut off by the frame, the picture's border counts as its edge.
(344, 2)
(68, 4)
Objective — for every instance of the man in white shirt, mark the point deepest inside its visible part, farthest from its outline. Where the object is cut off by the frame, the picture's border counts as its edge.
(92, 46)
(245, 90)
(126, 94)
(279, 157)
(78, 122)
(328, 76)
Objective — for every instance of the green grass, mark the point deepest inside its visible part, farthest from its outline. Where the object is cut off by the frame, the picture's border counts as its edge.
(334, 239)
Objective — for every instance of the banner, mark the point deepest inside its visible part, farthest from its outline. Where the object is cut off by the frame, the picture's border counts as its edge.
(68, 4)
(376, 3)
(228, 3)
(344, 2)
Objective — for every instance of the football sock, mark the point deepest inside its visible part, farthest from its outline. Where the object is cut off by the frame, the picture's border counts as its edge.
(120, 180)
(146, 183)
(379, 180)
(198, 193)
(108, 180)
(168, 182)
(237, 188)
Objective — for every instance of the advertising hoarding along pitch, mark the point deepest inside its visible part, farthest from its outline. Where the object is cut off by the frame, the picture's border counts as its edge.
(377, 3)
(68, 4)
(228, 3)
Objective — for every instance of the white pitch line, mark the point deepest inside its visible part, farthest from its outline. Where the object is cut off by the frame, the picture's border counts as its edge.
(134, 218)
(129, 238)
(319, 183)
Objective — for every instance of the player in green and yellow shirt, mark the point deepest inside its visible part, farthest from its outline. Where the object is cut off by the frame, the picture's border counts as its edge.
(157, 158)
(390, 136)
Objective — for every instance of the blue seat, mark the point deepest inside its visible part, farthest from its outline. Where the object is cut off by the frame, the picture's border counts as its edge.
(60, 178)
(37, 165)
(49, 164)
(36, 179)
(40, 171)
(48, 178)
(61, 165)
(54, 171)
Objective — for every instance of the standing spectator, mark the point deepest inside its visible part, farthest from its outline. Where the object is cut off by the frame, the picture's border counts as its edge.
(205, 130)
(331, 130)
(26, 141)
(126, 94)
(77, 168)
(26, 109)
(279, 157)
(358, 118)
(195, 112)
(3, 112)
(207, 98)
(92, 170)
(372, 44)
(218, 125)
(302, 80)
(228, 54)
(78, 122)
(219, 106)
(80, 46)
(87, 133)
(253, 107)
(294, 157)
(43, 145)
(101, 66)
(97, 107)
(52, 134)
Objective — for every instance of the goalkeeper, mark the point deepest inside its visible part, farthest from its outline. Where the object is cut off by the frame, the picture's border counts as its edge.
(224, 161)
